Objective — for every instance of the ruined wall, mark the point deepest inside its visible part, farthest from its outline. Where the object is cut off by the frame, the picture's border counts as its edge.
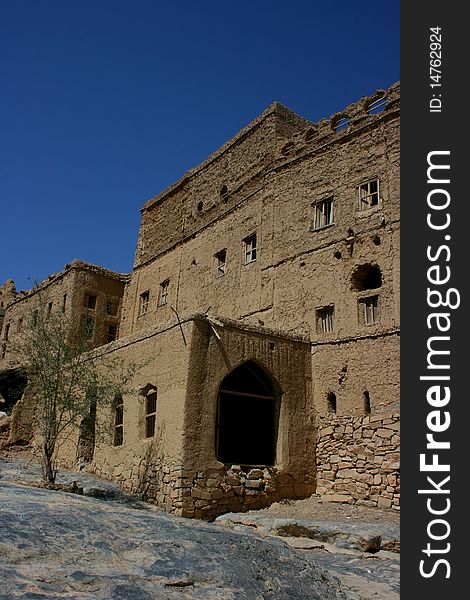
(20, 312)
(231, 176)
(358, 459)
(211, 189)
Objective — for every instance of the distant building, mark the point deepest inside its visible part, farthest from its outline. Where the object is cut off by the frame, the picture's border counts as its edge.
(265, 301)
(90, 297)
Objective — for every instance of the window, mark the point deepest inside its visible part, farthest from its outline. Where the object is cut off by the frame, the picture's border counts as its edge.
(249, 249)
(367, 407)
(311, 134)
(112, 333)
(88, 325)
(341, 123)
(220, 263)
(164, 286)
(34, 317)
(111, 308)
(49, 310)
(144, 302)
(325, 319)
(287, 149)
(369, 194)
(90, 301)
(323, 214)
(64, 302)
(370, 309)
(150, 412)
(224, 193)
(6, 332)
(377, 106)
(331, 402)
(118, 421)
(19, 326)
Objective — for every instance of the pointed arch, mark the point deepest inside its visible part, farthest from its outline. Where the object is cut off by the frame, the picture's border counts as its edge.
(247, 417)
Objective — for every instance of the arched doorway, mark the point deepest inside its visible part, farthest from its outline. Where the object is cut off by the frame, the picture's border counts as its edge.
(247, 417)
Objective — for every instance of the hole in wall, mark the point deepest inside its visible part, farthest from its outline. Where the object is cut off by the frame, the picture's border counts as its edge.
(224, 193)
(341, 123)
(377, 106)
(287, 149)
(366, 277)
(311, 134)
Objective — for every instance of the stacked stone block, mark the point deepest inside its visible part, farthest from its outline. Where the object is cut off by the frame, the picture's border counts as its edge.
(358, 460)
(206, 494)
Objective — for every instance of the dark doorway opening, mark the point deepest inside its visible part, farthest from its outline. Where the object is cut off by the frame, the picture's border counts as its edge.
(12, 386)
(247, 417)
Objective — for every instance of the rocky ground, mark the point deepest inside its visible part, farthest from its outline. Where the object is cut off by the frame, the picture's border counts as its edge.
(108, 545)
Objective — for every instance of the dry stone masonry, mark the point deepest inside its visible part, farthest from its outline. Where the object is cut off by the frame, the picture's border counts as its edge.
(358, 460)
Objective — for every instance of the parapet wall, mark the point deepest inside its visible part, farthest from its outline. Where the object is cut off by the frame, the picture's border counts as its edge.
(358, 459)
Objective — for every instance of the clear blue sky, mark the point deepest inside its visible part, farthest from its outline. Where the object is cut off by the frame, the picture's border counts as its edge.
(105, 103)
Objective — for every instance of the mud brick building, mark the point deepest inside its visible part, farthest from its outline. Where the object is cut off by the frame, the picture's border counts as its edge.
(264, 299)
(89, 296)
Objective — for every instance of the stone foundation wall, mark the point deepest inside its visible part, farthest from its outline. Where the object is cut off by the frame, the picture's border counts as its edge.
(358, 459)
(204, 494)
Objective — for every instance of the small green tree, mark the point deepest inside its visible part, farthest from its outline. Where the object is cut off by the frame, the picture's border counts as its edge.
(66, 378)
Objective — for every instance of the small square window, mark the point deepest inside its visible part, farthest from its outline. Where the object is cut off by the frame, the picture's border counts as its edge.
(322, 214)
(326, 319)
(90, 301)
(369, 194)
(164, 287)
(369, 310)
(150, 413)
(144, 302)
(220, 263)
(249, 249)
